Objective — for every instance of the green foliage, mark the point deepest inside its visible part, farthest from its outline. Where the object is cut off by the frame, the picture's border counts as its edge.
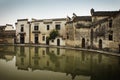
(53, 34)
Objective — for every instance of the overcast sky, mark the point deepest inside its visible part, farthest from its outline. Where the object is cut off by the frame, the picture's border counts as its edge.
(11, 10)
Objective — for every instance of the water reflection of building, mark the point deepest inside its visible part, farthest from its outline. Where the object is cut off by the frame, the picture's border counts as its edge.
(7, 52)
(22, 57)
(71, 62)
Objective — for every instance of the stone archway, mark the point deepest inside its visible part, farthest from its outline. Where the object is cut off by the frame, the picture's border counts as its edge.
(100, 44)
(83, 42)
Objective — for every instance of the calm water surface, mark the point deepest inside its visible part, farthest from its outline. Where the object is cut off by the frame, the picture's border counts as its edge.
(37, 63)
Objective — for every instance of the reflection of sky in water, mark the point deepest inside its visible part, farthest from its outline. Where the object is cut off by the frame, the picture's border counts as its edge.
(81, 65)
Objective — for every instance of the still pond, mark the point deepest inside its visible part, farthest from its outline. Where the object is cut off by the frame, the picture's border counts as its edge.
(39, 63)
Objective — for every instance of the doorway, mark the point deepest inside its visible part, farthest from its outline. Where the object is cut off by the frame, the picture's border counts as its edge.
(100, 44)
(47, 41)
(58, 42)
(22, 38)
(83, 42)
(36, 39)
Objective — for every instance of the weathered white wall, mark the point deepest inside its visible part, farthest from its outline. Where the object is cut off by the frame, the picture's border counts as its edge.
(62, 42)
(9, 27)
(26, 30)
(43, 28)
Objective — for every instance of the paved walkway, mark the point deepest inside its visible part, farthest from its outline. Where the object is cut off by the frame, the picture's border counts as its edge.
(64, 47)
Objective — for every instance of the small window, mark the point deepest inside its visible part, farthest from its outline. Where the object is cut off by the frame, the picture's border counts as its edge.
(57, 27)
(48, 27)
(110, 37)
(110, 23)
(35, 27)
(43, 38)
(22, 29)
(52, 40)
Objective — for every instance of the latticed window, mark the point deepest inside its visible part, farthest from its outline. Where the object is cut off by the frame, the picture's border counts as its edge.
(57, 27)
(36, 27)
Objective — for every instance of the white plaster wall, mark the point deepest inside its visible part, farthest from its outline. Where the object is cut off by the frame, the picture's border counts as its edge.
(43, 28)
(26, 30)
(62, 42)
(9, 27)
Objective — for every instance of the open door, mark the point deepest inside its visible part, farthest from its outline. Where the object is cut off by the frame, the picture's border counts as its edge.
(83, 43)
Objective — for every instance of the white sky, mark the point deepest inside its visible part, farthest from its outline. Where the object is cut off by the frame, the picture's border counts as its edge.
(11, 10)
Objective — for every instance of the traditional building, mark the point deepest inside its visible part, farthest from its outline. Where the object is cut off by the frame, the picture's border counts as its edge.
(104, 30)
(78, 31)
(22, 31)
(116, 32)
(7, 34)
(99, 15)
(98, 31)
(40, 30)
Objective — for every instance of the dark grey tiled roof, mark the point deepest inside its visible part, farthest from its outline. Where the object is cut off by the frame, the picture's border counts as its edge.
(105, 13)
(100, 21)
(82, 18)
(22, 20)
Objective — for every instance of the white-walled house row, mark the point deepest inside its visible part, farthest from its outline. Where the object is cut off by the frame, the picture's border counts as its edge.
(37, 31)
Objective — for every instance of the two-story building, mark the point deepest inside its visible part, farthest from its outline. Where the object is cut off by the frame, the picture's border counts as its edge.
(22, 31)
(78, 31)
(7, 34)
(37, 31)
(105, 29)
(40, 30)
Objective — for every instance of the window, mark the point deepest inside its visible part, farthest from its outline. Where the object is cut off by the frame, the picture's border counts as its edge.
(67, 36)
(110, 37)
(22, 29)
(110, 23)
(35, 27)
(52, 40)
(48, 27)
(43, 38)
(57, 27)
